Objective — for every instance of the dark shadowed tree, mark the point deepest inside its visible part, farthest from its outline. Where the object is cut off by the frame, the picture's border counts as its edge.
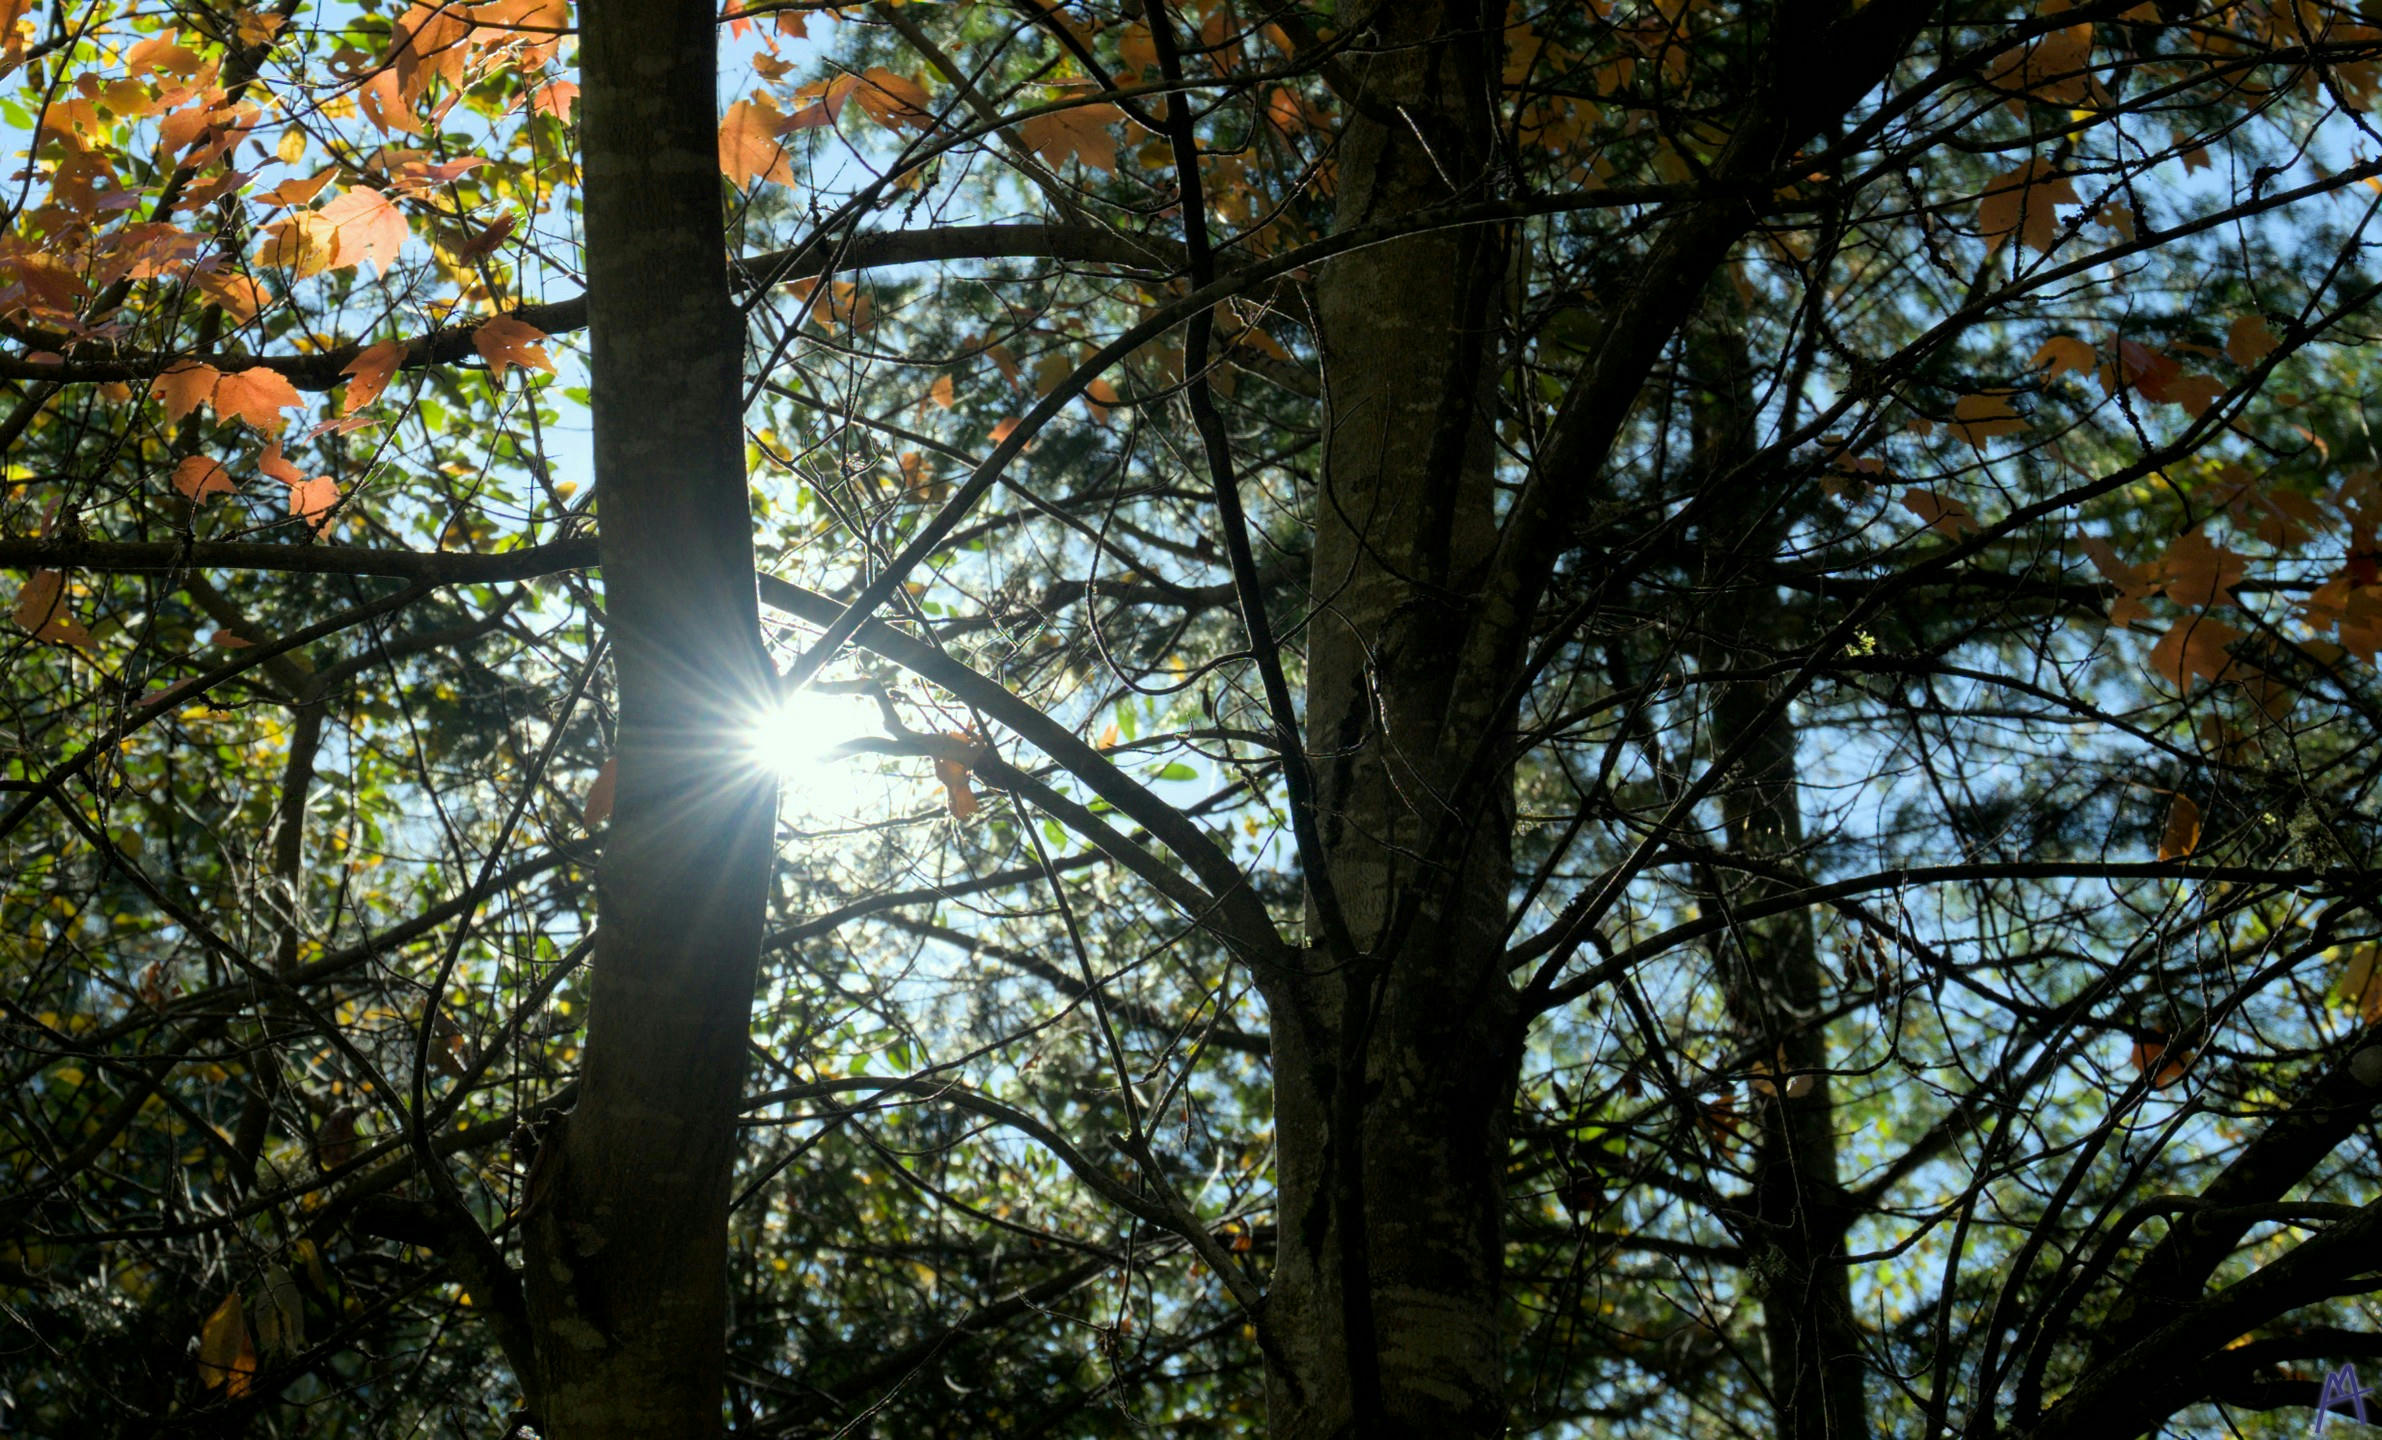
(1337, 721)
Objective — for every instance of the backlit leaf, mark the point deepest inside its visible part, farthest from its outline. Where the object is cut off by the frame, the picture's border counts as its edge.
(506, 341)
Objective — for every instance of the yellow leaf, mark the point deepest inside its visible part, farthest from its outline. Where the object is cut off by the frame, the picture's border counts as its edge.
(2062, 353)
(1978, 418)
(226, 1358)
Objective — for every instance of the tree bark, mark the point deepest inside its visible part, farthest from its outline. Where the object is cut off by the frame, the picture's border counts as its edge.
(1770, 972)
(1396, 1048)
(627, 1225)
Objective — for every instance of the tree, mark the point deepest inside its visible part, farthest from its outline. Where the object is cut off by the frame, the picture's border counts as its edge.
(1345, 720)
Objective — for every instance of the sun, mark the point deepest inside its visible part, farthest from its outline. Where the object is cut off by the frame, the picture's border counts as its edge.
(796, 737)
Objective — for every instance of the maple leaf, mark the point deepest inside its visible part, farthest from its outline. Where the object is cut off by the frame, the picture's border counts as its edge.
(372, 367)
(313, 500)
(239, 295)
(2148, 371)
(364, 226)
(277, 467)
(301, 243)
(748, 146)
(2062, 353)
(554, 98)
(506, 341)
(2134, 583)
(2051, 68)
(1948, 518)
(2182, 835)
(2248, 341)
(2193, 649)
(256, 396)
(2022, 200)
(184, 386)
(2199, 572)
(1978, 418)
(2152, 1051)
(892, 100)
(1082, 132)
(295, 192)
(41, 611)
(945, 392)
(198, 477)
(2195, 393)
(387, 108)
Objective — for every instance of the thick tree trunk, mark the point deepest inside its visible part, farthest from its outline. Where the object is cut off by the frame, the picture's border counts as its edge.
(1395, 1055)
(1770, 969)
(627, 1235)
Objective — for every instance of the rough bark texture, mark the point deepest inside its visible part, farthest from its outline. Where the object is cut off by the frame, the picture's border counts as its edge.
(1393, 1062)
(628, 1202)
(1771, 973)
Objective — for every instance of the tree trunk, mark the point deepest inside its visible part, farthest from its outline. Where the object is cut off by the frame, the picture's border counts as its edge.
(1395, 1051)
(627, 1235)
(1769, 968)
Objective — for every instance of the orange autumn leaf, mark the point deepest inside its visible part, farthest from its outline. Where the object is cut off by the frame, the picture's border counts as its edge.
(198, 478)
(2134, 583)
(1081, 133)
(945, 393)
(2197, 648)
(313, 500)
(364, 226)
(277, 467)
(2153, 1052)
(256, 397)
(506, 341)
(2248, 341)
(239, 295)
(1978, 418)
(295, 192)
(958, 796)
(184, 387)
(2062, 353)
(2022, 201)
(2199, 572)
(891, 100)
(41, 611)
(372, 367)
(749, 148)
(2182, 835)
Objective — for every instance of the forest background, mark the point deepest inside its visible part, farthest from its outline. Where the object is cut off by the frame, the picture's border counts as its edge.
(1621, 717)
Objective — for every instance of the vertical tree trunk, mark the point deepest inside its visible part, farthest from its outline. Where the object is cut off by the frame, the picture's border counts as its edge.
(627, 1236)
(1395, 1061)
(1770, 967)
